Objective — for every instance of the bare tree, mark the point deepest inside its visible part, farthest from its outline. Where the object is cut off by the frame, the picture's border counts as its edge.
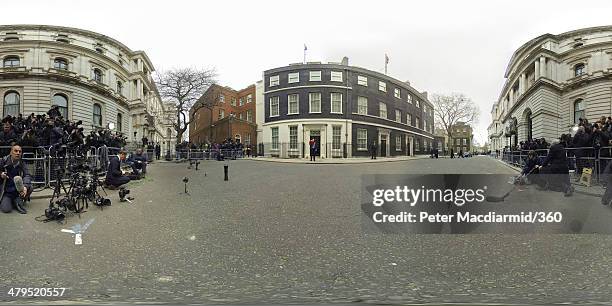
(210, 99)
(453, 108)
(183, 87)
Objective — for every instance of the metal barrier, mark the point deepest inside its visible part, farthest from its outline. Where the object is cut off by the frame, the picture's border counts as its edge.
(577, 159)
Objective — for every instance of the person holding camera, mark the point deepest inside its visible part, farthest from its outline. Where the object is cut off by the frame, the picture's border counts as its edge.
(114, 175)
(16, 182)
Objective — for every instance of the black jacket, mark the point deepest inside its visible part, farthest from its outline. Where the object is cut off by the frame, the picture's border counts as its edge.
(19, 168)
(114, 168)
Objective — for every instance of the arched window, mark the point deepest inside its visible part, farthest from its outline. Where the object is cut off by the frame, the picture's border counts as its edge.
(579, 69)
(11, 104)
(578, 110)
(529, 126)
(97, 75)
(119, 122)
(60, 63)
(97, 115)
(61, 101)
(11, 61)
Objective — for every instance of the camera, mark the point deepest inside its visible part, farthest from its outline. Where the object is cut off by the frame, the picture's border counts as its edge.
(54, 213)
(122, 193)
(100, 201)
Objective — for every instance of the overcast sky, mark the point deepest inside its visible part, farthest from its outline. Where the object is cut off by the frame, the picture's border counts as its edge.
(439, 46)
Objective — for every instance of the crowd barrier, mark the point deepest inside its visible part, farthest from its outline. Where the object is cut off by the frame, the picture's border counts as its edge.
(577, 159)
(211, 154)
(45, 165)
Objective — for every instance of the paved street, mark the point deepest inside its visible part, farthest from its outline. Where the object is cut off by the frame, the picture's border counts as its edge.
(292, 233)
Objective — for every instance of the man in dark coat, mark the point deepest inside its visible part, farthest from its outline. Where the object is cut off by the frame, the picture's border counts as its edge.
(12, 167)
(554, 170)
(373, 150)
(312, 144)
(114, 175)
(138, 161)
(157, 151)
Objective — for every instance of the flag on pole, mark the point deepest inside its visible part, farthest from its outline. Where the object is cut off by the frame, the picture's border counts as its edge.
(386, 59)
(305, 48)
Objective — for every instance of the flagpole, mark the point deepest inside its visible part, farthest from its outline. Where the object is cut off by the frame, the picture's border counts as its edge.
(305, 48)
(386, 62)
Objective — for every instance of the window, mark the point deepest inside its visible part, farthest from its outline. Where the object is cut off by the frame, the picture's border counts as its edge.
(416, 145)
(97, 75)
(221, 114)
(274, 80)
(294, 77)
(362, 80)
(409, 99)
(362, 139)
(99, 50)
(275, 138)
(119, 122)
(398, 115)
(274, 106)
(457, 141)
(416, 103)
(62, 102)
(11, 61)
(382, 110)
(336, 76)
(60, 63)
(464, 141)
(409, 119)
(398, 142)
(97, 115)
(418, 122)
(382, 86)
(315, 102)
(222, 98)
(241, 116)
(293, 143)
(397, 93)
(249, 116)
(233, 101)
(241, 101)
(293, 105)
(336, 137)
(578, 110)
(11, 104)
(362, 105)
(247, 139)
(249, 98)
(315, 76)
(579, 69)
(336, 102)
(120, 87)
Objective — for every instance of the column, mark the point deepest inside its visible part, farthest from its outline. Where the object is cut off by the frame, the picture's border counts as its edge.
(524, 82)
(537, 70)
(543, 67)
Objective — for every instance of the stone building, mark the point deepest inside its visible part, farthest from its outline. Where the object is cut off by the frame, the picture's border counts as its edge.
(90, 76)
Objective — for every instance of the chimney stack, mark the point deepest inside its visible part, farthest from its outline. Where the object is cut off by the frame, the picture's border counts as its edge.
(344, 61)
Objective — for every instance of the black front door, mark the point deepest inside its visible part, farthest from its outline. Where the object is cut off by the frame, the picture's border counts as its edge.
(383, 147)
(317, 139)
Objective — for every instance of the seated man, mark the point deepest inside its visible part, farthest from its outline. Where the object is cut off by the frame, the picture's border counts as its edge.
(554, 171)
(17, 183)
(138, 161)
(114, 175)
(530, 170)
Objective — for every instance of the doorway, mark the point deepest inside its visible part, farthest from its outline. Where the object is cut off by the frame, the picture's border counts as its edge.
(316, 135)
(383, 145)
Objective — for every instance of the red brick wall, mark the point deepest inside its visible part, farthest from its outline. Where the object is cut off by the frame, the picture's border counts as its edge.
(199, 128)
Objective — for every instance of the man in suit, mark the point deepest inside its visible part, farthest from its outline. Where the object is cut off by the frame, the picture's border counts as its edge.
(313, 149)
(13, 196)
(114, 175)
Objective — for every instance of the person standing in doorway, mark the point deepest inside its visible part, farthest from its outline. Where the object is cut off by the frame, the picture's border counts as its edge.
(312, 144)
(373, 150)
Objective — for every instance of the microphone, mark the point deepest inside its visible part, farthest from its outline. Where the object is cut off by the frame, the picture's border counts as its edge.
(18, 183)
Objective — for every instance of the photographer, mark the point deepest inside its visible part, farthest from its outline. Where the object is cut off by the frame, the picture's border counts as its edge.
(138, 161)
(17, 183)
(554, 169)
(114, 175)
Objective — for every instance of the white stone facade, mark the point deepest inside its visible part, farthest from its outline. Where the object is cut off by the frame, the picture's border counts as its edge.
(554, 80)
(43, 64)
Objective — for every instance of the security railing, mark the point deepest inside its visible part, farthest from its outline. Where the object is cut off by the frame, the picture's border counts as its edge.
(579, 158)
